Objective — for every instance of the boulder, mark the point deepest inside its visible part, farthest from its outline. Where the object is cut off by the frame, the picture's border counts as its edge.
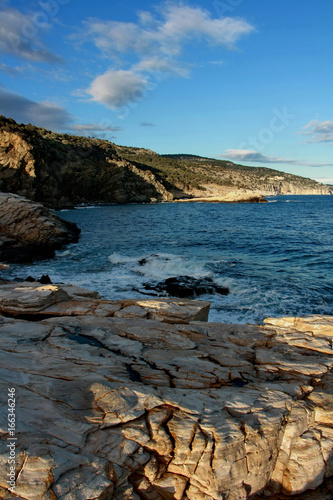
(187, 287)
(126, 407)
(30, 231)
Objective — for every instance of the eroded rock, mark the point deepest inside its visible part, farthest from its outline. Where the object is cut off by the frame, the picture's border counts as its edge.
(33, 298)
(30, 231)
(127, 407)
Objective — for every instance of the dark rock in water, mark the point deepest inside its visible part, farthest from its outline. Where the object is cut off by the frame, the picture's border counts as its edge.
(145, 260)
(187, 287)
(45, 280)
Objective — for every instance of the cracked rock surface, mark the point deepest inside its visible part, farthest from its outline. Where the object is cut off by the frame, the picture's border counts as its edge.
(138, 400)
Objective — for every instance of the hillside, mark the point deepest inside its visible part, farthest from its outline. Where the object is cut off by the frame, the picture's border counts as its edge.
(62, 170)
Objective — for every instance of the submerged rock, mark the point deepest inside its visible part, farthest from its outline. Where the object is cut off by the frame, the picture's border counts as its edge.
(29, 231)
(187, 287)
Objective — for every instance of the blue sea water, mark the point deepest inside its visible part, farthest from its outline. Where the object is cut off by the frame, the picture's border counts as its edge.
(276, 257)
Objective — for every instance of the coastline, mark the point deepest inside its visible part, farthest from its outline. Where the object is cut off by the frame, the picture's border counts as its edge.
(119, 398)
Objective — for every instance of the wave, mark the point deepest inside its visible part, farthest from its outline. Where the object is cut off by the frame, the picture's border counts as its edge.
(117, 258)
(161, 265)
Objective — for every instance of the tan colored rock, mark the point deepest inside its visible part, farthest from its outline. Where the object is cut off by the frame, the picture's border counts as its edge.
(67, 300)
(231, 197)
(30, 231)
(128, 407)
(314, 324)
(175, 310)
(29, 298)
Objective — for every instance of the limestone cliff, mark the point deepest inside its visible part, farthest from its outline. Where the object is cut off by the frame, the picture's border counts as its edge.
(61, 171)
(146, 400)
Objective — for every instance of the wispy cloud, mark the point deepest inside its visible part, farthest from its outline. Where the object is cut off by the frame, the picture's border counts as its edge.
(11, 71)
(49, 115)
(150, 49)
(19, 38)
(325, 180)
(147, 124)
(246, 155)
(43, 114)
(94, 128)
(318, 131)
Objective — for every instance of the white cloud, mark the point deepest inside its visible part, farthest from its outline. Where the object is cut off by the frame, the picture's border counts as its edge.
(150, 50)
(164, 67)
(118, 88)
(183, 22)
(95, 127)
(247, 155)
(319, 131)
(167, 34)
(19, 37)
(325, 180)
(43, 114)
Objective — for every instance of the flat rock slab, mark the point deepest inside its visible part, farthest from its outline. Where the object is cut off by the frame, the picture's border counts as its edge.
(23, 299)
(129, 407)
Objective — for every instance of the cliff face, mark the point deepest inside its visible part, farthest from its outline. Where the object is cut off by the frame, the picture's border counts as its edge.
(61, 171)
(144, 399)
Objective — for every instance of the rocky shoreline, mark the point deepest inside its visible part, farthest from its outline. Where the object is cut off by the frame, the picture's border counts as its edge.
(146, 399)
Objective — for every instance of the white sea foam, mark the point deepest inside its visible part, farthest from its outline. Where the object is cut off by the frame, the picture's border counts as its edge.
(85, 207)
(117, 258)
(162, 266)
(64, 253)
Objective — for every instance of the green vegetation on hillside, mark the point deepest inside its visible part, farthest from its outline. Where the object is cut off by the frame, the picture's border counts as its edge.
(62, 169)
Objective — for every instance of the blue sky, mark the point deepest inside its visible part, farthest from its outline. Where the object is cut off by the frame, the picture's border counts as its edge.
(245, 80)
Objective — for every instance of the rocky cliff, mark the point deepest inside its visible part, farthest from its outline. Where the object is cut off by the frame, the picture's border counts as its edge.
(30, 231)
(146, 400)
(61, 171)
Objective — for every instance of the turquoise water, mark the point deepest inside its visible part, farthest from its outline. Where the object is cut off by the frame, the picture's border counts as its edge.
(276, 258)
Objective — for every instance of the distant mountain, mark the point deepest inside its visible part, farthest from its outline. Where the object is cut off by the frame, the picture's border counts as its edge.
(62, 170)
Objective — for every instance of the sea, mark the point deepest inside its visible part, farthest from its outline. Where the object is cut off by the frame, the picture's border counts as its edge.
(276, 258)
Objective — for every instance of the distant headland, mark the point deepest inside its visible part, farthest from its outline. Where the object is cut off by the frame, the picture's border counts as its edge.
(61, 171)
